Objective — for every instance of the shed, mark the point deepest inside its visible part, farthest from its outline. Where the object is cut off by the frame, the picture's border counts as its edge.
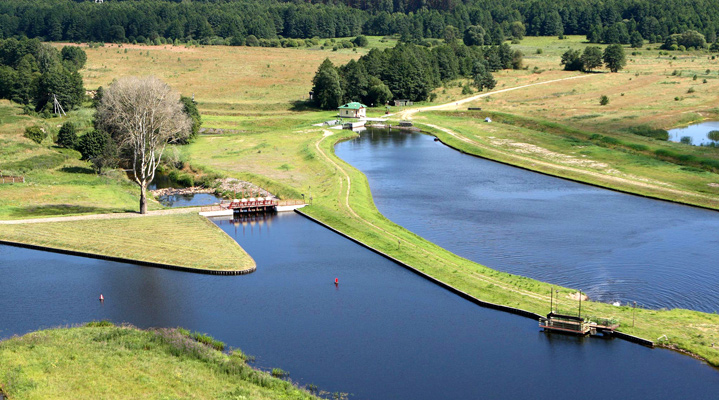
(353, 110)
(403, 102)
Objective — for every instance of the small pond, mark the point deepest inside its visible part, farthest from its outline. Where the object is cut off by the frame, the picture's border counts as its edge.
(163, 181)
(698, 133)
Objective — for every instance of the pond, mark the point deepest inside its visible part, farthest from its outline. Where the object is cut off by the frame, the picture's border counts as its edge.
(697, 133)
(612, 246)
(383, 333)
(163, 181)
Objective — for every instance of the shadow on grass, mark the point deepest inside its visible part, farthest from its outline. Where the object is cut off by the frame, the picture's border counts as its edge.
(60, 209)
(78, 170)
(303, 105)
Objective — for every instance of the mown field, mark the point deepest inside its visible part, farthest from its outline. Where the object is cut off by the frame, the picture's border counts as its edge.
(119, 362)
(186, 240)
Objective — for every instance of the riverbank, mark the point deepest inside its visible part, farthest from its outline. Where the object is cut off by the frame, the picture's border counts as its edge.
(100, 360)
(175, 239)
(691, 331)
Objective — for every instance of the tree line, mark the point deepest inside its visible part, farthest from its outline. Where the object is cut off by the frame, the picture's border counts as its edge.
(409, 71)
(603, 21)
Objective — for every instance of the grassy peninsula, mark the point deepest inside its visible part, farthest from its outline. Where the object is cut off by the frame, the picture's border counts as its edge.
(100, 360)
(178, 239)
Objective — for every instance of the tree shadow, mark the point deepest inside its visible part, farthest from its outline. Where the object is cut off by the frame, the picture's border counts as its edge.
(303, 105)
(78, 170)
(60, 209)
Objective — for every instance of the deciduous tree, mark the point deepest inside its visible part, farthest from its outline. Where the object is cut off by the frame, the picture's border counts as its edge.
(144, 115)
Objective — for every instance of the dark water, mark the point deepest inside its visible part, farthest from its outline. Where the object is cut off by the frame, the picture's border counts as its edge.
(612, 246)
(698, 132)
(384, 333)
(163, 181)
(188, 200)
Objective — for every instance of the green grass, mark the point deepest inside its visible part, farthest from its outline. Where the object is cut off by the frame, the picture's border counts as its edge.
(121, 362)
(186, 240)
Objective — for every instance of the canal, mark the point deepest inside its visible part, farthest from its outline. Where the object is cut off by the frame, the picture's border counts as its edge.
(383, 333)
(612, 246)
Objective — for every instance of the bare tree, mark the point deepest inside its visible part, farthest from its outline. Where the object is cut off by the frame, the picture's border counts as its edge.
(143, 115)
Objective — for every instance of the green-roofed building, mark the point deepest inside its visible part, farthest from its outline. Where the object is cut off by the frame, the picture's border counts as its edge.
(353, 110)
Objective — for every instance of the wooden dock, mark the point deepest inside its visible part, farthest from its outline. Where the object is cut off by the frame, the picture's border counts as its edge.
(577, 325)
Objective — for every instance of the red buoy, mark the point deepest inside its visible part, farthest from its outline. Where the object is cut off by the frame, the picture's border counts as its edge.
(337, 281)
(102, 298)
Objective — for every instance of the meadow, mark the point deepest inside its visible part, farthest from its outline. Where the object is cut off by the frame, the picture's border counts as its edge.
(192, 241)
(100, 360)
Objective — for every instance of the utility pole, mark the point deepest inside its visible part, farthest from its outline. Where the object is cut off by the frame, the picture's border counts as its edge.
(580, 304)
(57, 108)
(634, 311)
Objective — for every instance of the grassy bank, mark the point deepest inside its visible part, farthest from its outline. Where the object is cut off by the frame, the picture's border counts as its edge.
(185, 240)
(120, 362)
(631, 163)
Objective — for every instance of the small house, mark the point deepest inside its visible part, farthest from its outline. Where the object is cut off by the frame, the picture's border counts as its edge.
(353, 110)
(403, 103)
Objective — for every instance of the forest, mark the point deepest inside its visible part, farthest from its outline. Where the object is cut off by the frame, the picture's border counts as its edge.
(602, 21)
(409, 71)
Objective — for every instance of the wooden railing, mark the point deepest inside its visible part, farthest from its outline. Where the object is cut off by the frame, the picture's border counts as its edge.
(11, 179)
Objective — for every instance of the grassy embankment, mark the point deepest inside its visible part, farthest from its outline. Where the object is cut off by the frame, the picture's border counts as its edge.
(185, 240)
(119, 362)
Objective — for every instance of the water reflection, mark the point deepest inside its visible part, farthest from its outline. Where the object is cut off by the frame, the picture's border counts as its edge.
(697, 133)
(613, 246)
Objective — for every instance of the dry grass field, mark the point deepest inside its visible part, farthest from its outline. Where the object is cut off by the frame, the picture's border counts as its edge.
(246, 78)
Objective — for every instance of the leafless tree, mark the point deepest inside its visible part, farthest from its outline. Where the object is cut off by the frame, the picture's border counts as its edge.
(143, 115)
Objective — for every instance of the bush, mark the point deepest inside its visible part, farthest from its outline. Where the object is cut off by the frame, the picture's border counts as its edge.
(637, 147)
(713, 136)
(691, 90)
(92, 144)
(35, 133)
(686, 140)
(604, 100)
(67, 137)
(648, 131)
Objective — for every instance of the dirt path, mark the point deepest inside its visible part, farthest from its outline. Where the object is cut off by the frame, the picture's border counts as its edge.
(407, 114)
(345, 203)
(102, 216)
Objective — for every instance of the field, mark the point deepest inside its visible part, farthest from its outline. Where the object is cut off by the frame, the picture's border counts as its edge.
(120, 362)
(192, 241)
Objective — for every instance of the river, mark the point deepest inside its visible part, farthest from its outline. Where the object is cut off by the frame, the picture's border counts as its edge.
(610, 245)
(383, 333)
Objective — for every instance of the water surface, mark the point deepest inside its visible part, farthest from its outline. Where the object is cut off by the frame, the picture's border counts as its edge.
(698, 132)
(383, 333)
(612, 246)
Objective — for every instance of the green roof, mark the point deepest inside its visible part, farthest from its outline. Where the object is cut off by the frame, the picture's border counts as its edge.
(353, 106)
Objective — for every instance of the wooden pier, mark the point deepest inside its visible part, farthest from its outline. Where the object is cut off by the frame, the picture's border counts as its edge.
(577, 325)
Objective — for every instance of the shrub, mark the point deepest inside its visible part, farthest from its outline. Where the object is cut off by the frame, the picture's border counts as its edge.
(604, 100)
(92, 144)
(637, 147)
(686, 140)
(713, 136)
(691, 90)
(67, 137)
(648, 131)
(35, 133)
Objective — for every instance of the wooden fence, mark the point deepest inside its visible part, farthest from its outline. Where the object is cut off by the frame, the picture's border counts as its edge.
(11, 179)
